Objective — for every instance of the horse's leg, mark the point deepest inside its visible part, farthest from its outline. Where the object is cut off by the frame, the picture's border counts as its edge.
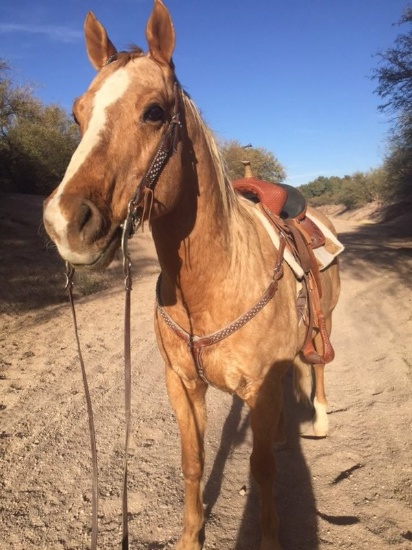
(266, 418)
(189, 406)
(320, 403)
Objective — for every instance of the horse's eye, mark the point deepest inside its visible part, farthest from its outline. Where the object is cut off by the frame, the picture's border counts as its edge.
(154, 114)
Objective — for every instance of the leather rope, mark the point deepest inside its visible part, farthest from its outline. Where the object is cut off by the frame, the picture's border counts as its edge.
(92, 431)
(128, 385)
(127, 264)
(167, 146)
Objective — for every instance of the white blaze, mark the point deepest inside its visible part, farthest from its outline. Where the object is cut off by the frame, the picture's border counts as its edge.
(111, 91)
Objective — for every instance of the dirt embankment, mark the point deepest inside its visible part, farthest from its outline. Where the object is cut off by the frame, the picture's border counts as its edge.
(351, 490)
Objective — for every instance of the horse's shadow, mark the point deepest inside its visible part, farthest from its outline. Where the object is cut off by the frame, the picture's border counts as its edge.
(294, 493)
(233, 434)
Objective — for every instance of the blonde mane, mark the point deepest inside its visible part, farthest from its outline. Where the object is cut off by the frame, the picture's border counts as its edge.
(225, 187)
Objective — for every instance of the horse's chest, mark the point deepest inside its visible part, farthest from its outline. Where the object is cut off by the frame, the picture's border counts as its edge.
(237, 364)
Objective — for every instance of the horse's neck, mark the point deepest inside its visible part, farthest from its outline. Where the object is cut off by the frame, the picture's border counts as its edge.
(195, 240)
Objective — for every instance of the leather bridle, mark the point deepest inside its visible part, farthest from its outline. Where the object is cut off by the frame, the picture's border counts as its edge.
(167, 146)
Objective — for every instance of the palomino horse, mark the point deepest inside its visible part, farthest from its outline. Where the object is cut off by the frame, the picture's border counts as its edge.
(216, 257)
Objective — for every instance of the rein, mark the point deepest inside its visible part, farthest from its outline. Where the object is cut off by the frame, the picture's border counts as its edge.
(128, 386)
(92, 431)
(144, 190)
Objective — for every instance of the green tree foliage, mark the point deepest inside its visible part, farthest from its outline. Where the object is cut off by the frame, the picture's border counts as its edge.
(352, 191)
(36, 141)
(14, 101)
(264, 164)
(394, 78)
(321, 190)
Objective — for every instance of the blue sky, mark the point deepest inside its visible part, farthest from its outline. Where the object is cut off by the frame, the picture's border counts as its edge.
(292, 76)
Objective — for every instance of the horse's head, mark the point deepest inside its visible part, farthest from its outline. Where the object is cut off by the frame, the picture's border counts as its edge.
(122, 118)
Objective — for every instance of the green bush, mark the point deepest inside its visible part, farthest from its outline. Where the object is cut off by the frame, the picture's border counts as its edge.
(352, 191)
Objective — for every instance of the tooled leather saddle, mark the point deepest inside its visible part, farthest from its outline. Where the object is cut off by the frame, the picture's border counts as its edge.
(285, 207)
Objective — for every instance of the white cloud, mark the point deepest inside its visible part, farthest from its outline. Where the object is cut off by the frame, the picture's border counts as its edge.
(54, 32)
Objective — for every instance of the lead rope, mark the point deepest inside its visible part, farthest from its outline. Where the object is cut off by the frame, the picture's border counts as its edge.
(92, 432)
(130, 225)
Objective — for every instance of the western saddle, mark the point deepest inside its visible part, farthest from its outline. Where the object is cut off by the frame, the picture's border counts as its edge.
(285, 207)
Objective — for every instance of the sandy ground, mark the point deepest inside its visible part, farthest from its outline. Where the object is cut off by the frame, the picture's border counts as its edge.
(350, 490)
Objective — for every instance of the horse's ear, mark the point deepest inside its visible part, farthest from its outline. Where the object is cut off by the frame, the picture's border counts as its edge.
(98, 45)
(160, 34)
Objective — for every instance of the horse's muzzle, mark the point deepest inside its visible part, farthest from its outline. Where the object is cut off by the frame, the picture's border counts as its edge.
(82, 233)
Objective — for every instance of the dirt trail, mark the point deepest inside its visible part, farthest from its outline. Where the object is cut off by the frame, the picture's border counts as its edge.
(351, 490)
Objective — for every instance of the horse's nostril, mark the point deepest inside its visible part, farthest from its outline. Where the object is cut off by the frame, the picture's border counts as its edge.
(85, 216)
(89, 222)
(85, 222)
